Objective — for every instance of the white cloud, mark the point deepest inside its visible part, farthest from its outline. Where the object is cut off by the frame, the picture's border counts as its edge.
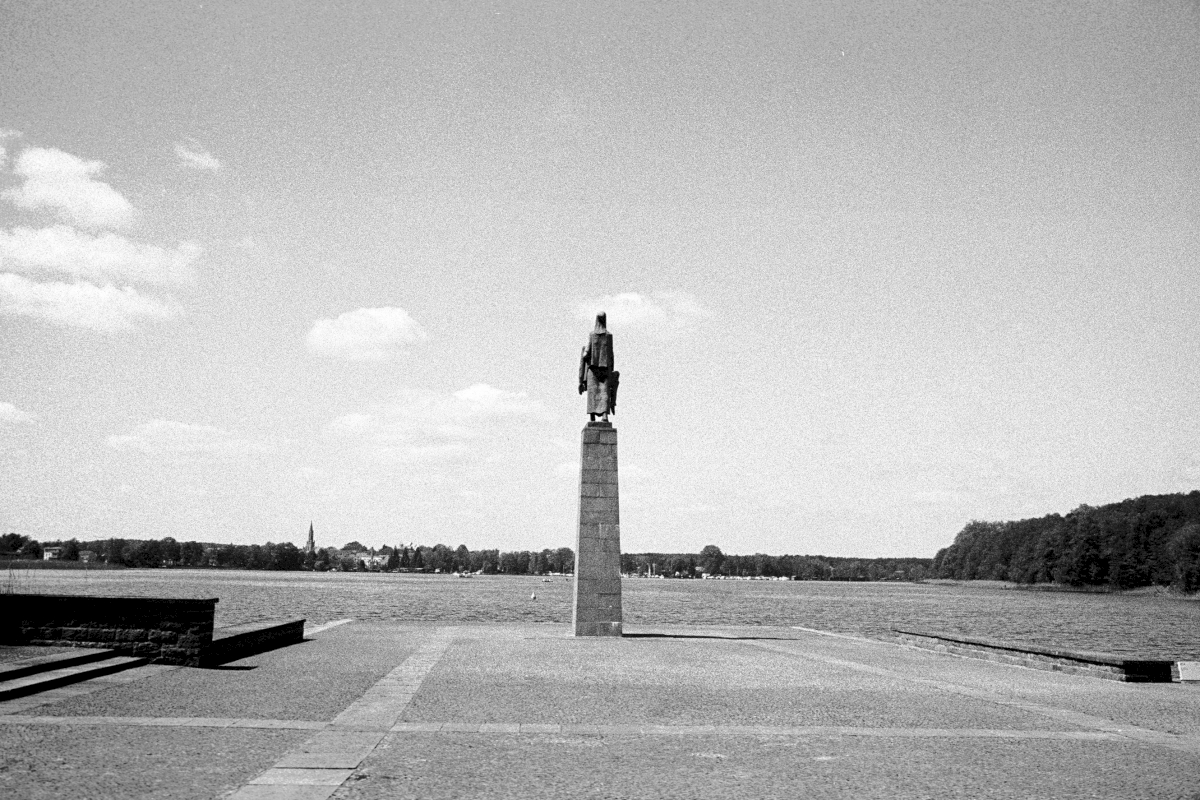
(60, 181)
(664, 312)
(430, 425)
(368, 334)
(62, 249)
(81, 305)
(164, 437)
(196, 157)
(10, 414)
(481, 399)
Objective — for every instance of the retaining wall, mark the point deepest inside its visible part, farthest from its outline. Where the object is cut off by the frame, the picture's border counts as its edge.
(169, 631)
(1097, 665)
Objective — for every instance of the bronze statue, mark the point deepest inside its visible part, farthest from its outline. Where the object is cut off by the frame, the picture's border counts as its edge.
(596, 374)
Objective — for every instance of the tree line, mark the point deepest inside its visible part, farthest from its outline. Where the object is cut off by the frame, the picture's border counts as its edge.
(1145, 541)
(710, 561)
(168, 552)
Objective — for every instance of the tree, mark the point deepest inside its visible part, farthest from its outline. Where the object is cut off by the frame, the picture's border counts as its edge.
(31, 549)
(191, 554)
(354, 547)
(564, 560)
(1185, 551)
(171, 551)
(70, 551)
(323, 561)
(12, 542)
(711, 559)
(144, 554)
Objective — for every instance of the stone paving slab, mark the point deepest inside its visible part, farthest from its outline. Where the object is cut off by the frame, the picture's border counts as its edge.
(1170, 707)
(282, 792)
(313, 680)
(529, 711)
(569, 766)
(21, 652)
(642, 681)
(51, 762)
(311, 776)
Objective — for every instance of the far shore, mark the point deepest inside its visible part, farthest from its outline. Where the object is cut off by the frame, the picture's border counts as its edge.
(1141, 591)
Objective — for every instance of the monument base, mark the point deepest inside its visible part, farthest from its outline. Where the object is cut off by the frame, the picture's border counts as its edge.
(596, 608)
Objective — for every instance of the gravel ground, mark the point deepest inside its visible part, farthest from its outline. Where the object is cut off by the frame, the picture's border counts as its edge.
(113, 761)
(692, 768)
(680, 682)
(314, 680)
(537, 674)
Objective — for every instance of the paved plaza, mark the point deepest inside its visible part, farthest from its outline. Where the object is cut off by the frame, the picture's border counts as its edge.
(384, 710)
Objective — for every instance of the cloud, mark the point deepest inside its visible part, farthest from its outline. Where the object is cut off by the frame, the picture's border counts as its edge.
(481, 399)
(62, 249)
(665, 312)
(196, 157)
(81, 305)
(428, 425)
(164, 437)
(60, 181)
(10, 414)
(368, 334)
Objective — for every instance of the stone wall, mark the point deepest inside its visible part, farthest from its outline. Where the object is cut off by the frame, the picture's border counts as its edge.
(164, 630)
(1096, 665)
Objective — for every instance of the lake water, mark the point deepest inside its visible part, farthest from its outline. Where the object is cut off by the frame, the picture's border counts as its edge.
(1148, 625)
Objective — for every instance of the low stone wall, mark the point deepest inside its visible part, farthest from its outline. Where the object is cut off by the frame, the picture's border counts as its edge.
(239, 641)
(164, 630)
(1096, 665)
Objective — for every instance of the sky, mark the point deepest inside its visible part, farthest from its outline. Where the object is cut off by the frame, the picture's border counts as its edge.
(873, 270)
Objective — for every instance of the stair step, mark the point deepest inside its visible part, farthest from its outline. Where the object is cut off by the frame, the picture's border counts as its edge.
(11, 670)
(52, 679)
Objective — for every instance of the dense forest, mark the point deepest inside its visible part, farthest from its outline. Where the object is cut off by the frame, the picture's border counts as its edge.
(354, 556)
(1150, 540)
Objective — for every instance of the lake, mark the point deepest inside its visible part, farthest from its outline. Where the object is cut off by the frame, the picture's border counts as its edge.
(1143, 624)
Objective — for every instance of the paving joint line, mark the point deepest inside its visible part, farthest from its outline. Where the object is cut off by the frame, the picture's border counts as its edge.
(363, 740)
(327, 759)
(1187, 744)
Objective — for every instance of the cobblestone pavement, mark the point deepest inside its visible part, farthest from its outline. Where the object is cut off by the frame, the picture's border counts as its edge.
(368, 710)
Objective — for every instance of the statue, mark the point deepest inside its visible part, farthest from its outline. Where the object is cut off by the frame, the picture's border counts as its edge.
(596, 374)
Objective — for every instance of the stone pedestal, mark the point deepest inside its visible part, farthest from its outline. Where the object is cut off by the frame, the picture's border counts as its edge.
(596, 610)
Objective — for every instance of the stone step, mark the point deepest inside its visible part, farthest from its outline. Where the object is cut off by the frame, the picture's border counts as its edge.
(11, 670)
(54, 678)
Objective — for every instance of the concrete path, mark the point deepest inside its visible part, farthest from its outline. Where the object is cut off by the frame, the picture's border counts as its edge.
(369, 710)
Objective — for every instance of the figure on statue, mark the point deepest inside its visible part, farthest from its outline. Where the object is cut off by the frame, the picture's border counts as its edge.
(596, 374)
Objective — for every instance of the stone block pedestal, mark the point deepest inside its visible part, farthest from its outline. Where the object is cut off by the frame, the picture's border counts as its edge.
(596, 609)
